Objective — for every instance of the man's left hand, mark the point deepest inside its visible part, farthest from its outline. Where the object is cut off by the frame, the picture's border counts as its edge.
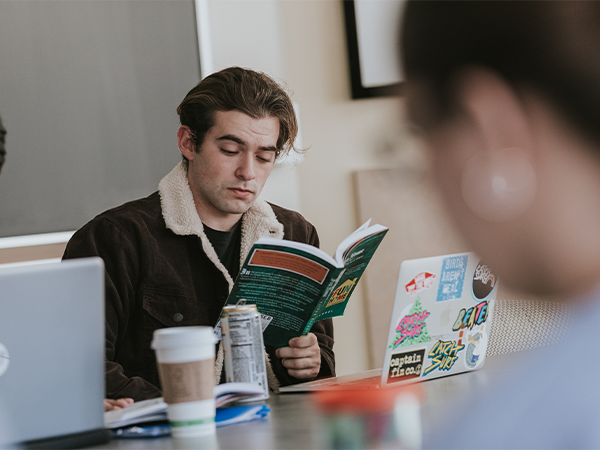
(113, 405)
(302, 358)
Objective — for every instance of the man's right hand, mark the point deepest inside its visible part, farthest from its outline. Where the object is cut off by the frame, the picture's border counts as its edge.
(113, 405)
(302, 358)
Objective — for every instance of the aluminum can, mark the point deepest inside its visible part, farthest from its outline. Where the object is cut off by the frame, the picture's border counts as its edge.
(243, 345)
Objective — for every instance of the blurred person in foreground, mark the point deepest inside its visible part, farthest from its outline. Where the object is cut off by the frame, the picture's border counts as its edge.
(507, 95)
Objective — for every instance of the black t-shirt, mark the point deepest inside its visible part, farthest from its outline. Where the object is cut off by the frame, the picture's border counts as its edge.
(227, 246)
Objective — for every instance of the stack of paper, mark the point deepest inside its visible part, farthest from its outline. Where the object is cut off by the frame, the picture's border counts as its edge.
(155, 410)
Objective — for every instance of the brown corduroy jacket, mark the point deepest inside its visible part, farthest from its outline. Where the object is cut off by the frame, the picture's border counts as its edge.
(161, 271)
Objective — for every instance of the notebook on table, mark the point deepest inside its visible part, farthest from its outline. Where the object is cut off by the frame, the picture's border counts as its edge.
(52, 354)
(439, 326)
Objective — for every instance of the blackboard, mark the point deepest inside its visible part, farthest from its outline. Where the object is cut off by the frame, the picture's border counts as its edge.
(88, 95)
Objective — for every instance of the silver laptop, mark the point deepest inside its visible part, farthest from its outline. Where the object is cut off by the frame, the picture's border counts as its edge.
(441, 318)
(439, 326)
(52, 354)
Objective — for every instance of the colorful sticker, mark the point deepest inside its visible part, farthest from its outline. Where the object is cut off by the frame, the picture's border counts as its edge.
(476, 346)
(468, 318)
(419, 283)
(443, 355)
(404, 366)
(452, 278)
(342, 292)
(483, 282)
(412, 328)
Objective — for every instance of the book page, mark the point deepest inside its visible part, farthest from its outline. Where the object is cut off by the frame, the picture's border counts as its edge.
(362, 232)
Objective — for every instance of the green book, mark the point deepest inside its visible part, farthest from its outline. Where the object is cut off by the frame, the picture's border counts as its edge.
(294, 285)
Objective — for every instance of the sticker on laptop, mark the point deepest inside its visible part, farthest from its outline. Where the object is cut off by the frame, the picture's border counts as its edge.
(421, 282)
(483, 282)
(443, 356)
(452, 278)
(443, 337)
(476, 346)
(468, 318)
(411, 328)
(404, 366)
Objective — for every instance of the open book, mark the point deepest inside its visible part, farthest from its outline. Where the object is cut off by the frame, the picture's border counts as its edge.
(294, 285)
(155, 410)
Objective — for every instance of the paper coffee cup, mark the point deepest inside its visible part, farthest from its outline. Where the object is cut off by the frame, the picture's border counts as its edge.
(185, 358)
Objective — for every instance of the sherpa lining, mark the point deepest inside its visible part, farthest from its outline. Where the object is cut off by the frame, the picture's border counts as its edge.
(181, 217)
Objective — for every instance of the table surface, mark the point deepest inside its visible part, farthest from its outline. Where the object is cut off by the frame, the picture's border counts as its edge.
(294, 422)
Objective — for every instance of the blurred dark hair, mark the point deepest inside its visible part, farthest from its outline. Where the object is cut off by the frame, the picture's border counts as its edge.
(253, 93)
(550, 46)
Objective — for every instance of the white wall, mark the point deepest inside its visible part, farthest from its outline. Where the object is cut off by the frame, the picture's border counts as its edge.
(247, 33)
(303, 43)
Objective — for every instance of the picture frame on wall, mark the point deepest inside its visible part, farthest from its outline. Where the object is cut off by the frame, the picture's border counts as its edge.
(372, 37)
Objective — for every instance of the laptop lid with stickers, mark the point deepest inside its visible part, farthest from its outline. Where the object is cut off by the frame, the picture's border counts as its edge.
(441, 318)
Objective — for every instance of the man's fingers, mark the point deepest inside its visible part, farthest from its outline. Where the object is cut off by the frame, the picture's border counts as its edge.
(304, 368)
(303, 352)
(112, 405)
(297, 346)
(299, 363)
(303, 341)
(122, 402)
(302, 358)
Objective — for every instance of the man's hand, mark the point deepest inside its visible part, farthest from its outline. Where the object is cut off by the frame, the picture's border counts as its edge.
(112, 405)
(302, 358)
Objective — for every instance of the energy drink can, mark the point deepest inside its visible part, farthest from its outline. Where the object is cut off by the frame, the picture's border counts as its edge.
(243, 345)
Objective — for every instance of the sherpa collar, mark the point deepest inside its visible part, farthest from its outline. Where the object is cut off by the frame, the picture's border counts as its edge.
(179, 212)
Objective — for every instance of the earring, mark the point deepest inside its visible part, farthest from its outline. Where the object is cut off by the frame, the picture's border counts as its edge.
(499, 187)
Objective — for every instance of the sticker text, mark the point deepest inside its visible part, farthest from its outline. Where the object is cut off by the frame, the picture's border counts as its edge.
(443, 355)
(468, 318)
(452, 278)
(404, 366)
(410, 327)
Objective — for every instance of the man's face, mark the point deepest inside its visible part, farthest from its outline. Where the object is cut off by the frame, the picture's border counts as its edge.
(232, 165)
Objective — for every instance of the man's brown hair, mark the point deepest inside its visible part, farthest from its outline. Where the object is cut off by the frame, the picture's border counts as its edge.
(235, 88)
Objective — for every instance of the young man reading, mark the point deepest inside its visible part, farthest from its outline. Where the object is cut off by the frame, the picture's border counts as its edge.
(171, 258)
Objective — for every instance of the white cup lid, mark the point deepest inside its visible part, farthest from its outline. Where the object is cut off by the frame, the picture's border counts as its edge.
(183, 337)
